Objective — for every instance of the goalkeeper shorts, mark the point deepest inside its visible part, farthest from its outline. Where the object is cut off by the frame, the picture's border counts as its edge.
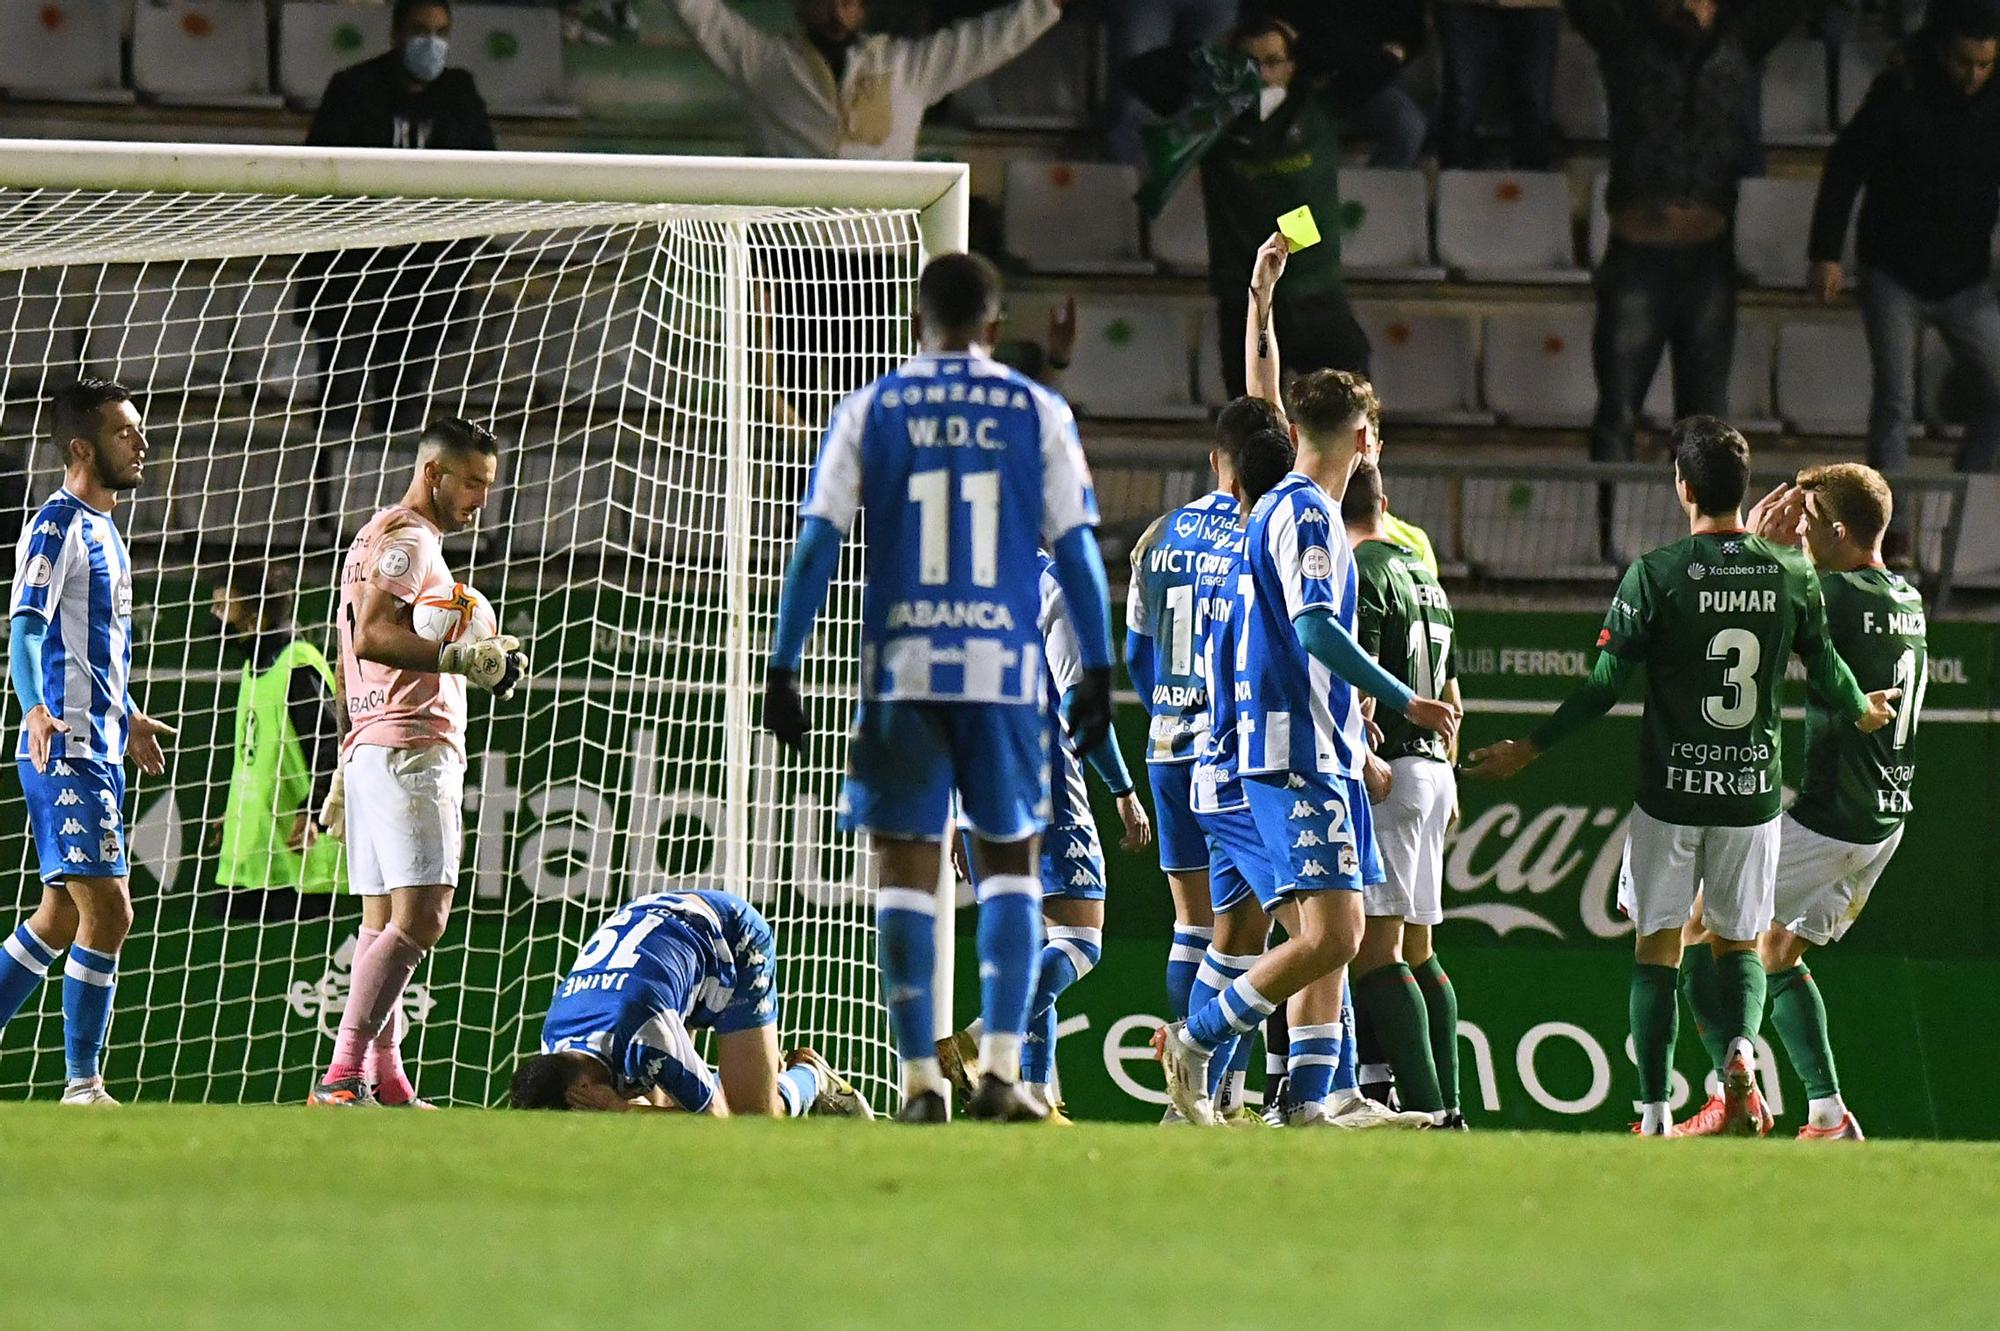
(405, 821)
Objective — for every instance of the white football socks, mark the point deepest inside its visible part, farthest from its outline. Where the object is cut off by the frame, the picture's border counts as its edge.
(1000, 1055)
(921, 1075)
(1655, 1119)
(1827, 1112)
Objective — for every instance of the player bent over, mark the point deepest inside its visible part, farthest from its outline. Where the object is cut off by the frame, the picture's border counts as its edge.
(1165, 641)
(1712, 618)
(1839, 834)
(401, 782)
(70, 657)
(619, 1031)
(1405, 622)
(966, 470)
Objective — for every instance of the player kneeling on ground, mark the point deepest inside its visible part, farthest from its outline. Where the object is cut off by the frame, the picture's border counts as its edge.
(619, 1034)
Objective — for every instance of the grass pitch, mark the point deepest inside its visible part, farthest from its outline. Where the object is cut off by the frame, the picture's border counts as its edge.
(160, 1216)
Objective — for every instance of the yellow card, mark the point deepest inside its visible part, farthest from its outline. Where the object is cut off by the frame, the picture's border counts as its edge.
(1299, 228)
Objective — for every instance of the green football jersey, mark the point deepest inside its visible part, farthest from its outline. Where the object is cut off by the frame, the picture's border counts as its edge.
(1857, 787)
(1403, 620)
(1713, 618)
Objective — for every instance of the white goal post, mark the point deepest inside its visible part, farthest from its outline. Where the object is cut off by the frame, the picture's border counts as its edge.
(657, 342)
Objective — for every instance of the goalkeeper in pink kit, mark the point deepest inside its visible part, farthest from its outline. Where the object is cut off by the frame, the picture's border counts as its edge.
(402, 775)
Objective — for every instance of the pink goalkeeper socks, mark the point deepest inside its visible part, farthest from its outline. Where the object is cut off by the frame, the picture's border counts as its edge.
(380, 975)
(364, 940)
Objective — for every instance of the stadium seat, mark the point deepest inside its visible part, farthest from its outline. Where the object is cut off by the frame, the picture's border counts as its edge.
(515, 54)
(1772, 219)
(202, 53)
(1579, 90)
(271, 359)
(1824, 377)
(577, 348)
(1598, 229)
(1939, 403)
(1795, 101)
(1537, 370)
(1209, 387)
(63, 51)
(317, 40)
(1178, 238)
(1977, 562)
(1423, 365)
(1426, 500)
(1132, 361)
(1645, 516)
(1072, 217)
(1506, 226)
(367, 476)
(1749, 384)
(492, 371)
(242, 493)
(562, 501)
(1387, 227)
(1046, 87)
(1521, 528)
(39, 329)
(162, 329)
(1862, 60)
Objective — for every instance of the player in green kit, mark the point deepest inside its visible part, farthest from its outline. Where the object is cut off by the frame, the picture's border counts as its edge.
(1407, 1010)
(1847, 821)
(1712, 618)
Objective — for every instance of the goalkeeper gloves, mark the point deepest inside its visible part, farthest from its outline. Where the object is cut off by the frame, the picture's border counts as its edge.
(784, 710)
(333, 813)
(496, 664)
(1090, 709)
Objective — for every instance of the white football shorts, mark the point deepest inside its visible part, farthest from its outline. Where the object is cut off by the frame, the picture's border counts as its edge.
(1734, 867)
(1823, 883)
(405, 817)
(1410, 827)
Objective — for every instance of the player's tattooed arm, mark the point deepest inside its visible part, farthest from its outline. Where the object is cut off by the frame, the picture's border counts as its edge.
(1261, 374)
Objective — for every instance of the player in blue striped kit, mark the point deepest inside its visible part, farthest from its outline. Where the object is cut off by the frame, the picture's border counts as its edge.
(965, 469)
(619, 1032)
(1165, 639)
(70, 659)
(1297, 678)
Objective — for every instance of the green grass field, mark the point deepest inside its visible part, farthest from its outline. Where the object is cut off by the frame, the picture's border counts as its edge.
(246, 1218)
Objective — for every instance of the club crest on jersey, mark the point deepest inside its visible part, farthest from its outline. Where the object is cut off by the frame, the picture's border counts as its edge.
(1350, 860)
(1732, 547)
(39, 572)
(107, 846)
(395, 562)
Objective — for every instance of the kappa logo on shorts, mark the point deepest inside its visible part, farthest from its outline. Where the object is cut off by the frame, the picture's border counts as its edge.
(1312, 869)
(68, 797)
(1295, 782)
(1307, 838)
(75, 855)
(1082, 878)
(71, 827)
(1302, 809)
(64, 769)
(1077, 851)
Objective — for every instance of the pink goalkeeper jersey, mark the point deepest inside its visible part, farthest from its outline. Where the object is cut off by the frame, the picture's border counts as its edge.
(401, 553)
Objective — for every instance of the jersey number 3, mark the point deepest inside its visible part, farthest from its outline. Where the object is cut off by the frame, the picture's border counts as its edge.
(930, 491)
(1736, 705)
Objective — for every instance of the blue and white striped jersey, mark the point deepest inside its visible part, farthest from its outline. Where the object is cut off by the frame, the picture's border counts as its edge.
(1163, 605)
(1296, 715)
(71, 570)
(1064, 672)
(964, 468)
(1221, 595)
(663, 967)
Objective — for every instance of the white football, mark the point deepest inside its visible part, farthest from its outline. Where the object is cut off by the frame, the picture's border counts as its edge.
(459, 615)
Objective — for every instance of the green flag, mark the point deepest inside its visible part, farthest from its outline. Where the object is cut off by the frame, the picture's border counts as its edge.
(1222, 85)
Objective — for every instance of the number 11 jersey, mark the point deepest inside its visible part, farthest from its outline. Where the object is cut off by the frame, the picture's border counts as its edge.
(964, 469)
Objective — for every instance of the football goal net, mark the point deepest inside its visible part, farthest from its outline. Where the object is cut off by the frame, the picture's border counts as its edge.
(657, 343)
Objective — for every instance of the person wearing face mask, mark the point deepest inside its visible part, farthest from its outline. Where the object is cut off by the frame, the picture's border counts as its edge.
(834, 90)
(286, 748)
(1923, 151)
(378, 316)
(1678, 75)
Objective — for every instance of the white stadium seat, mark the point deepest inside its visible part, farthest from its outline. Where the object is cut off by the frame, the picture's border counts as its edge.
(1046, 87)
(1537, 369)
(1132, 361)
(62, 51)
(1178, 238)
(1862, 60)
(367, 477)
(202, 53)
(1749, 384)
(1579, 89)
(1506, 226)
(1773, 215)
(1598, 229)
(1520, 528)
(1824, 379)
(40, 331)
(1795, 95)
(1391, 237)
(1426, 500)
(242, 492)
(1208, 353)
(515, 54)
(1423, 366)
(578, 347)
(1073, 217)
(270, 355)
(1645, 516)
(161, 329)
(562, 501)
(317, 40)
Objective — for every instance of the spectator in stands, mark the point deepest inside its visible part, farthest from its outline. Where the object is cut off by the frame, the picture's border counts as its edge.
(1281, 153)
(1134, 27)
(1369, 43)
(1677, 74)
(1923, 151)
(834, 90)
(1484, 42)
(378, 316)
